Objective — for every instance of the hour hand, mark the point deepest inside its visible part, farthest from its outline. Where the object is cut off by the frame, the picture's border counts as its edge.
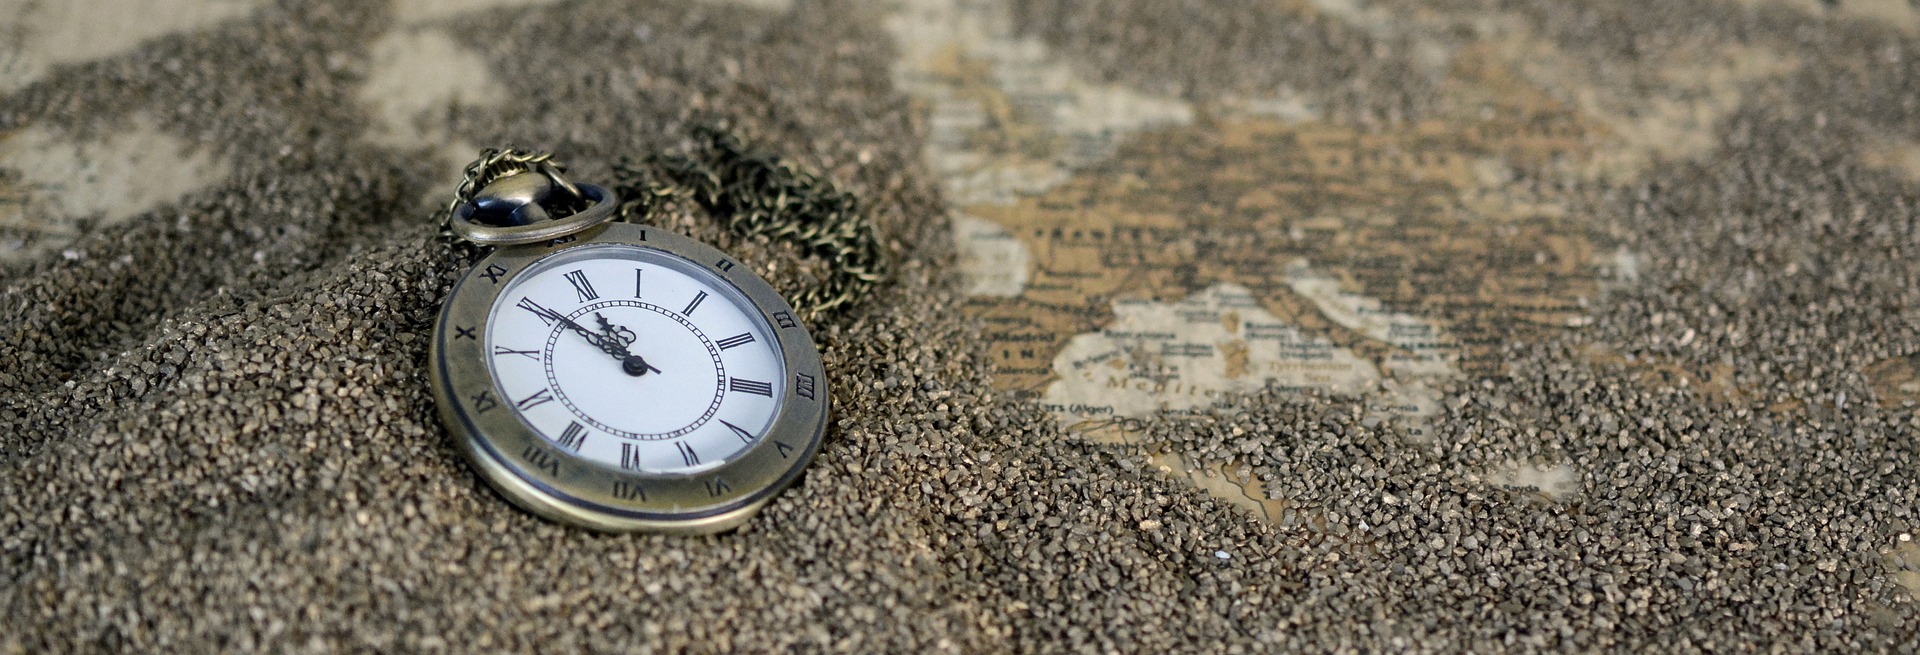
(615, 332)
(634, 365)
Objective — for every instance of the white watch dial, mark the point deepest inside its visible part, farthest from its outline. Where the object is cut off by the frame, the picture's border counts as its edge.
(635, 359)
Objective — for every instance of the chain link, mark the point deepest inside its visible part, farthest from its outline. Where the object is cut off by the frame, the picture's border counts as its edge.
(756, 193)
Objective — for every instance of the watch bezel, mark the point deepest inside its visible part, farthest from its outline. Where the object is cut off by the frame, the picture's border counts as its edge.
(541, 477)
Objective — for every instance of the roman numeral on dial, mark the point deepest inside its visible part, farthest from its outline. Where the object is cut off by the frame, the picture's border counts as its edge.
(749, 386)
(697, 299)
(686, 453)
(530, 354)
(535, 400)
(743, 434)
(572, 437)
(546, 315)
(582, 287)
(735, 340)
(629, 457)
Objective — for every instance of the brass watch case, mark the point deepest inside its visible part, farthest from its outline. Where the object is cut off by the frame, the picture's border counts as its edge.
(546, 480)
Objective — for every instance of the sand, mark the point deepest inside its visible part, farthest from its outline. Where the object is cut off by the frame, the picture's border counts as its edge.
(216, 432)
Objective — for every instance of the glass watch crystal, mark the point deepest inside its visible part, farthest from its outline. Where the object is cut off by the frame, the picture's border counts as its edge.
(635, 359)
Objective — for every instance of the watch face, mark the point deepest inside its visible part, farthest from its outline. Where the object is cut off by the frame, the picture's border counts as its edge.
(635, 359)
(628, 378)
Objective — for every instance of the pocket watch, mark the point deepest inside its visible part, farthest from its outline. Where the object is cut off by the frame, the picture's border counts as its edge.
(619, 376)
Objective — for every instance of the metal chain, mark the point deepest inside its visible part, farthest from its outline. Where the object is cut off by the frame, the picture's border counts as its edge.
(756, 193)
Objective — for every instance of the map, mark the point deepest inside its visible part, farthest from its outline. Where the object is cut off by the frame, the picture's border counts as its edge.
(1134, 255)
